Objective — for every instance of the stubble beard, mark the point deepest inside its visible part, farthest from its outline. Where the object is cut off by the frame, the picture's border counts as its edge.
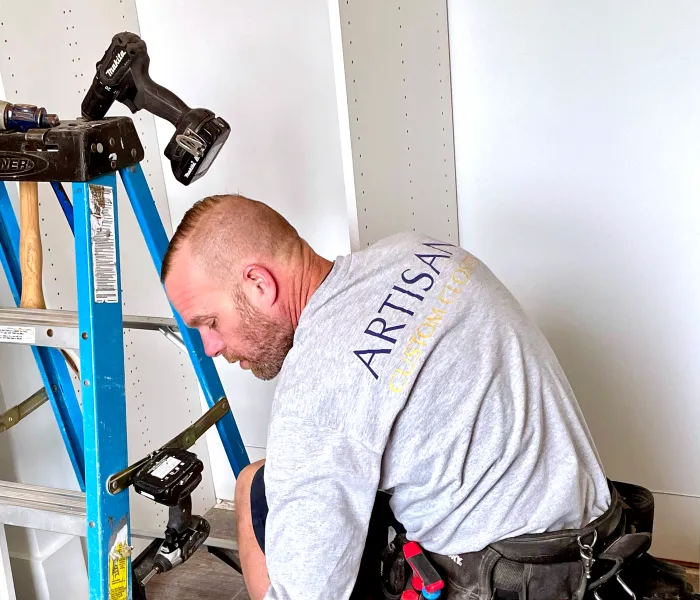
(270, 340)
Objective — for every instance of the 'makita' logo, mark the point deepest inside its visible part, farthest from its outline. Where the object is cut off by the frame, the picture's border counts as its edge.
(116, 62)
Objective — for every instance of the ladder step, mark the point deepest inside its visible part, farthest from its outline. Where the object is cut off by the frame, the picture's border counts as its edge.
(63, 511)
(52, 500)
(59, 328)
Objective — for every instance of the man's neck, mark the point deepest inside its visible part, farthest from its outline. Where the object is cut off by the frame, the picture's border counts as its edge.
(310, 272)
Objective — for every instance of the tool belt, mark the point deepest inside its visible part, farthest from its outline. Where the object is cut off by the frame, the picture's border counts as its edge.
(605, 560)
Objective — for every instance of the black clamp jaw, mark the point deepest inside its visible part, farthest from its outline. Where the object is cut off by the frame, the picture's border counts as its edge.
(122, 75)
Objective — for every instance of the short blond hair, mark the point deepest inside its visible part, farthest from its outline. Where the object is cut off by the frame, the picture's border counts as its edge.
(224, 229)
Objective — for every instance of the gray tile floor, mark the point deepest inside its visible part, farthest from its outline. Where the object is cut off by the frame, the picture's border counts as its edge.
(693, 575)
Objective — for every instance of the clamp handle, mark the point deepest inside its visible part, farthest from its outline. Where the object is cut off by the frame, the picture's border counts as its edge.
(423, 569)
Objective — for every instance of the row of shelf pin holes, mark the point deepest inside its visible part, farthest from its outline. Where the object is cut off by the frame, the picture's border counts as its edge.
(357, 119)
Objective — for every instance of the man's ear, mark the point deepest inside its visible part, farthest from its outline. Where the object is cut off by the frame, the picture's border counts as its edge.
(259, 286)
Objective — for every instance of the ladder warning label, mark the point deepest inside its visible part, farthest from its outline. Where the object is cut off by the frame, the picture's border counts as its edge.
(104, 244)
(118, 565)
(18, 335)
(117, 579)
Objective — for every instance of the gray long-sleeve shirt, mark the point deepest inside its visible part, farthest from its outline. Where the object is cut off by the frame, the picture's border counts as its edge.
(415, 370)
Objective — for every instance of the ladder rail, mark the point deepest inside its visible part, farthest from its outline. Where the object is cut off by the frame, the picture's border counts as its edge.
(52, 366)
(100, 322)
(157, 241)
(65, 203)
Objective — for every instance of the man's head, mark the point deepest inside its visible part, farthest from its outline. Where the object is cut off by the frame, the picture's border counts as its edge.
(230, 271)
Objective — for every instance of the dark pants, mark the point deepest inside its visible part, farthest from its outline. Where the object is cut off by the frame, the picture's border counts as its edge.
(258, 506)
(368, 585)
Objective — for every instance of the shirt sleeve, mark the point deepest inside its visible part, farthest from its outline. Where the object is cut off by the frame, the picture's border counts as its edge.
(320, 487)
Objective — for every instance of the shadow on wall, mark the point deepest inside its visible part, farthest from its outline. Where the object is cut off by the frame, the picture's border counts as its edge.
(613, 311)
(609, 396)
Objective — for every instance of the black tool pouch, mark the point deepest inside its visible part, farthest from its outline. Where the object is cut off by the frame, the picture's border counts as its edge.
(606, 560)
(630, 541)
(394, 570)
(380, 568)
(624, 567)
(639, 504)
(559, 564)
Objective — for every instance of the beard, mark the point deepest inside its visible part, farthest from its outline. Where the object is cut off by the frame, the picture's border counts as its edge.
(269, 340)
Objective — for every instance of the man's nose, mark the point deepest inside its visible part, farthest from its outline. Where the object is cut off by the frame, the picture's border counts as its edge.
(213, 344)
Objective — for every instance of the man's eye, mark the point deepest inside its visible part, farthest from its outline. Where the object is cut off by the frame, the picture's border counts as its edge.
(213, 324)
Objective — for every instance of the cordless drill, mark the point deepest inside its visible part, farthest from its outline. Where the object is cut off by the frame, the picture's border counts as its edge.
(122, 74)
(169, 478)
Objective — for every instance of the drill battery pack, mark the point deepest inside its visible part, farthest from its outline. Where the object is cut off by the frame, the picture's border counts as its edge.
(169, 476)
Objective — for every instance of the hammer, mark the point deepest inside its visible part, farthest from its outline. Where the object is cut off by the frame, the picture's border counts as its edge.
(31, 256)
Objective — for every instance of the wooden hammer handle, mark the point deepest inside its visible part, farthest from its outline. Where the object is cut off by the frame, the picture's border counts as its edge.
(31, 258)
(30, 254)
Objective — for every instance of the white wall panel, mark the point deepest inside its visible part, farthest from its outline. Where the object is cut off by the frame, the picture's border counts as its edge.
(7, 584)
(266, 67)
(395, 59)
(576, 134)
(50, 61)
(676, 527)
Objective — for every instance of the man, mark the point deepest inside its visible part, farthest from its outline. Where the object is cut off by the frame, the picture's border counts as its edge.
(405, 367)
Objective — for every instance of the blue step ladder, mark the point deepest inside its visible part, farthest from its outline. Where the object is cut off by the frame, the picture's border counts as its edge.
(96, 437)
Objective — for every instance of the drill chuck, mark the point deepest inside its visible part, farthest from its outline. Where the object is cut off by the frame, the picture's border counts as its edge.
(97, 101)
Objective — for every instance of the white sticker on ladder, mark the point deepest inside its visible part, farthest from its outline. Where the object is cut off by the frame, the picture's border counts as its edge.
(17, 335)
(104, 244)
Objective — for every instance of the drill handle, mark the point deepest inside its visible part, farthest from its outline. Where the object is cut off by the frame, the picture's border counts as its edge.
(180, 516)
(158, 100)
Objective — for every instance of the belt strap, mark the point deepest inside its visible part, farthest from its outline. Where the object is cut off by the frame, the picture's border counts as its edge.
(562, 546)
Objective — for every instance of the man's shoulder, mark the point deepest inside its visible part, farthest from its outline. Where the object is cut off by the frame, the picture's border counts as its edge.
(366, 307)
(384, 251)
